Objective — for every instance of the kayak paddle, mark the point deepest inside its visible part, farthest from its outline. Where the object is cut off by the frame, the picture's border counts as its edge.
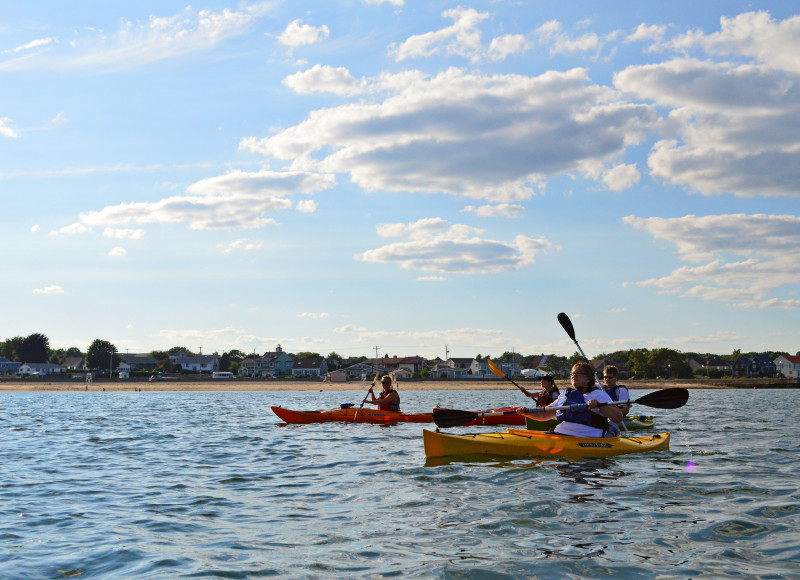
(566, 324)
(372, 386)
(499, 372)
(671, 398)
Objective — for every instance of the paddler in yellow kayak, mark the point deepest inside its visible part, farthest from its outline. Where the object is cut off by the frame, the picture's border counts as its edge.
(389, 399)
(615, 391)
(592, 421)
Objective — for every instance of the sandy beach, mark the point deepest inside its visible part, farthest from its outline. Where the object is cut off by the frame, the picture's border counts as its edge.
(12, 385)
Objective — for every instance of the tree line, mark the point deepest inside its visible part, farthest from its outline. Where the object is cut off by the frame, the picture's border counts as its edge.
(103, 355)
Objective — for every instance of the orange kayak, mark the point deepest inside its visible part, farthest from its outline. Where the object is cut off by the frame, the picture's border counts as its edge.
(351, 415)
(494, 417)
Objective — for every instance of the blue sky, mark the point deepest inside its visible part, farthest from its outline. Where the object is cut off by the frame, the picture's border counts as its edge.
(406, 178)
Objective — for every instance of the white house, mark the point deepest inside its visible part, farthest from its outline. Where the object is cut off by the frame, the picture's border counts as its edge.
(40, 369)
(788, 366)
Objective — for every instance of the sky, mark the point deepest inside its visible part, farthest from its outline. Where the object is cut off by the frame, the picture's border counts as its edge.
(393, 177)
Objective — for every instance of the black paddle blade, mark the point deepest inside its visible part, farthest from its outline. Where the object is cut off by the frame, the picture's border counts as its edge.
(672, 398)
(566, 324)
(452, 417)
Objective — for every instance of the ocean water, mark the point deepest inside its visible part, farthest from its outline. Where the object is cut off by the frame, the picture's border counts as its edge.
(213, 485)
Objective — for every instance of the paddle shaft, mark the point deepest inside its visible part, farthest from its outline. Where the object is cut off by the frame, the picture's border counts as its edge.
(372, 386)
(499, 372)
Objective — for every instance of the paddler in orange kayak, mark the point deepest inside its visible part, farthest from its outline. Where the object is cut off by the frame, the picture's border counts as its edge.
(389, 399)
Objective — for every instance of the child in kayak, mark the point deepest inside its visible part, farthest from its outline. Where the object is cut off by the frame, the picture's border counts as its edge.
(389, 399)
(592, 421)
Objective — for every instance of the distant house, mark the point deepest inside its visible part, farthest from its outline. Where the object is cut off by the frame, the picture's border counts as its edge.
(76, 363)
(452, 368)
(788, 366)
(140, 361)
(509, 368)
(271, 364)
(310, 367)
(7, 367)
(337, 376)
(479, 368)
(713, 363)
(202, 363)
(41, 369)
(760, 365)
(413, 364)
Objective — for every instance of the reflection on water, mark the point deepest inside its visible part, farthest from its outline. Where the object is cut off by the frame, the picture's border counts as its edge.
(155, 485)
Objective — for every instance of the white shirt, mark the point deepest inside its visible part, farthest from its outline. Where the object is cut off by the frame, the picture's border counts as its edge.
(579, 429)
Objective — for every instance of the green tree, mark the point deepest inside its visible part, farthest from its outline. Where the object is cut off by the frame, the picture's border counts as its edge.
(305, 355)
(101, 353)
(34, 348)
(10, 348)
(236, 355)
(335, 361)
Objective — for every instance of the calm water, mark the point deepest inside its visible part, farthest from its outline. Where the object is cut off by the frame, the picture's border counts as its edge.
(199, 485)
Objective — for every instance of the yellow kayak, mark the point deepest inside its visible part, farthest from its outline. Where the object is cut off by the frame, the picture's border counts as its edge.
(521, 443)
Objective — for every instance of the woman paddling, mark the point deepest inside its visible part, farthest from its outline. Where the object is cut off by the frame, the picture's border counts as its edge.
(549, 392)
(592, 421)
(389, 399)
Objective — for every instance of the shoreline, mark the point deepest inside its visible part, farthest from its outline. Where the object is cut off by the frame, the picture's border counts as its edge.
(39, 385)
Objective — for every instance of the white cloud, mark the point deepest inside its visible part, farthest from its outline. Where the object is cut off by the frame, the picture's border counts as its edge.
(503, 46)
(299, 34)
(242, 244)
(752, 34)
(552, 34)
(38, 43)
(735, 129)
(49, 290)
(431, 279)
(307, 206)
(485, 137)
(460, 39)
(433, 245)
(123, 234)
(509, 210)
(743, 259)
(621, 177)
(136, 43)
(483, 338)
(117, 252)
(35, 228)
(71, 230)
(5, 130)
(236, 200)
(379, 2)
(647, 32)
(313, 315)
(323, 79)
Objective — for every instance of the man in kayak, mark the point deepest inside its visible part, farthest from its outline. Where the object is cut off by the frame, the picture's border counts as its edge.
(615, 391)
(593, 421)
(389, 399)
(549, 392)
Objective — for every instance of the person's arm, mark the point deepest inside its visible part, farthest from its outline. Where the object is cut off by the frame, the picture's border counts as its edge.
(624, 395)
(611, 412)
